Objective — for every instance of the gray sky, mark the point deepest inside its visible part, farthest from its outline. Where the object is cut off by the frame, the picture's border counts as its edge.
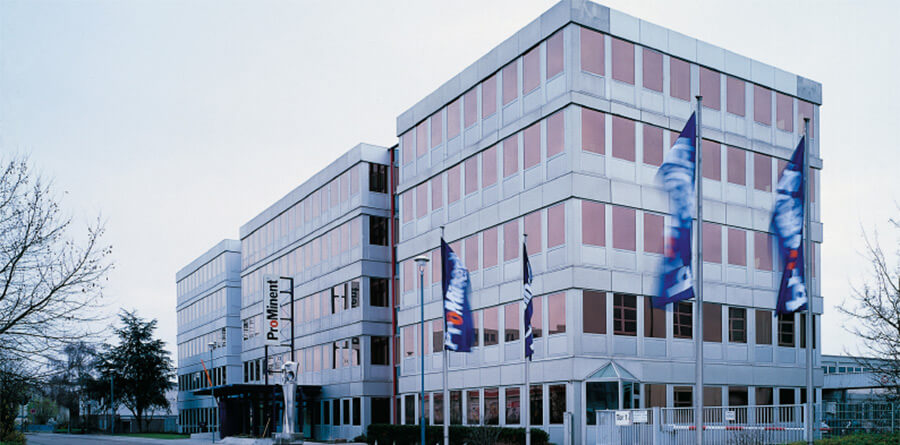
(180, 121)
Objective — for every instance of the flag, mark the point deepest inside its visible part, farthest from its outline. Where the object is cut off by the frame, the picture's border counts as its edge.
(526, 302)
(458, 332)
(677, 173)
(787, 223)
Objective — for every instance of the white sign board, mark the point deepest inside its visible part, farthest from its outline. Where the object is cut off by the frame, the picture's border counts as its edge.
(640, 416)
(271, 309)
(623, 418)
(730, 416)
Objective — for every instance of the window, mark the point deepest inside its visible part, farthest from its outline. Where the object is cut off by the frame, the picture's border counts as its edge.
(536, 405)
(378, 178)
(593, 223)
(556, 225)
(712, 160)
(438, 399)
(409, 341)
(531, 70)
(453, 184)
(490, 247)
(654, 233)
(625, 314)
(763, 327)
(421, 200)
(737, 247)
(533, 230)
(712, 242)
(421, 138)
(762, 105)
(656, 395)
(764, 396)
(437, 192)
(489, 167)
(786, 330)
(737, 166)
(712, 396)
(682, 320)
(510, 82)
(736, 96)
(556, 313)
(556, 134)
(653, 145)
(347, 412)
(510, 156)
(356, 411)
(737, 325)
(471, 175)
(381, 350)
(786, 397)
(455, 407)
(737, 396)
(784, 112)
(409, 418)
(406, 142)
(593, 131)
(491, 406)
(762, 250)
(762, 172)
(557, 403)
(532, 145)
(594, 312)
(622, 60)
(472, 253)
(453, 119)
(683, 396)
(653, 70)
(513, 404)
(679, 79)
(555, 55)
(712, 322)
(654, 320)
(623, 228)
(537, 319)
(510, 240)
(378, 231)
(473, 407)
(710, 89)
(381, 410)
(437, 120)
(805, 110)
(623, 138)
(470, 107)
(592, 52)
(489, 96)
(491, 326)
(511, 321)
(437, 335)
(802, 328)
(476, 329)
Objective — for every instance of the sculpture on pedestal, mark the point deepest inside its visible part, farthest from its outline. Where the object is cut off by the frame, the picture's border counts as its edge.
(289, 387)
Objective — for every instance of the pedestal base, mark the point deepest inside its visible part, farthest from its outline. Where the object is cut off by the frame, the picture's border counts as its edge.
(288, 439)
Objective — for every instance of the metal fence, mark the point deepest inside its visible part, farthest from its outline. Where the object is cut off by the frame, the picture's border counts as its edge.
(841, 419)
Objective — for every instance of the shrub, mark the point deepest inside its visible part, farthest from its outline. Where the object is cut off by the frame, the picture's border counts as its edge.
(12, 437)
(387, 434)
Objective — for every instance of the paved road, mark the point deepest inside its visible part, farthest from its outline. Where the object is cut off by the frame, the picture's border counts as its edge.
(87, 439)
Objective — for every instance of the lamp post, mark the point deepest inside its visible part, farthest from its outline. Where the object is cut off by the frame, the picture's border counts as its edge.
(421, 261)
(212, 391)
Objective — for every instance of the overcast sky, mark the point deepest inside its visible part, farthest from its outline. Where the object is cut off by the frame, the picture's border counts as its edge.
(180, 121)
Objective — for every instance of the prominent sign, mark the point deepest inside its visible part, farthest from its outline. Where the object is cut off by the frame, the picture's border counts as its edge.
(640, 416)
(623, 418)
(272, 309)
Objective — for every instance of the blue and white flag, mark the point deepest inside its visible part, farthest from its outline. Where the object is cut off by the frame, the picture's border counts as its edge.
(526, 302)
(677, 173)
(458, 332)
(787, 222)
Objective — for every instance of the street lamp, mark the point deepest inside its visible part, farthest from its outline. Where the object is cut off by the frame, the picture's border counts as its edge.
(421, 261)
(212, 390)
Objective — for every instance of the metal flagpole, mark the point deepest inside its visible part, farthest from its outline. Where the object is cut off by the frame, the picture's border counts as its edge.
(807, 271)
(444, 365)
(698, 287)
(527, 396)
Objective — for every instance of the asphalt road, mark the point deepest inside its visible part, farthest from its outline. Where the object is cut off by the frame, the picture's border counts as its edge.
(83, 439)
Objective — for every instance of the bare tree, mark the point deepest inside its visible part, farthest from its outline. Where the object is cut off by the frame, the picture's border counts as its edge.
(49, 282)
(875, 308)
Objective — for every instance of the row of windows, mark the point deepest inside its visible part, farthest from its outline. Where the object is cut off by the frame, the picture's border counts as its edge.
(200, 345)
(198, 380)
(329, 413)
(210, 306)
(191, 420)
(510, 411)
(211, 270)
(847, 369)
(334, 355)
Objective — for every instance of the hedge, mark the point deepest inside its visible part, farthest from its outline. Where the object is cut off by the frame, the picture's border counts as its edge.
(387, 434)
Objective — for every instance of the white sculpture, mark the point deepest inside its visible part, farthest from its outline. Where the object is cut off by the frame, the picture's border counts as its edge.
(289, 387)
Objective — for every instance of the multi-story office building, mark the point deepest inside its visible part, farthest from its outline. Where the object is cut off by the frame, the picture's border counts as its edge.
(208, 313)
(558, 133)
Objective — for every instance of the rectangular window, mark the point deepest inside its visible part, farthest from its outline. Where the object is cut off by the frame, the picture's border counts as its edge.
(623, 228)
(737, 247)
(592, 52)
(532, 145)
(654, 320)
(409, 411)
(737, 396)
(710, 89)
(510, 240)
(802, 328)
(378, 180)
(438, 399)
(470, 107)
(378, 231)
(511, 321)
(437, 335)
(555, 55)
(436, 121)
(378, 292)
(805, 110)
(453, 184)
(471, 175)
(762, 105)
(557, 403)
(556, 134)
(381, 350)
(763, 327)
(556, 313)
(473, 407)
(490, 247)
(712, 322)
(489, 167)
(656, 395)
(712, 160)
(712, 243)
(421, 200)
(556, 225)
(406, 143)
(455, 407)
(653, 145)
(537, 320)
(510, 156)
(531, 70)
(476, 328)
(536, 405)
(737, 325)
(764, 396)
(762, 250)
(513, 405)
(489, 96)
(654, 233)
(356, 411)
(653, 70)
(453, 119)
(623, 138)
(625, 314)
(762, 172)
(594, 312)
(784, 112)
(737, 166)
(437, 192)
(786, 330)
(491, 326)
(679, 79)
(491, 406)
(409, 340)
(682, 320)
(593, 223)
(421, 138)
(622, 60)
(712, 396)
(683, 396)
(736, 96)
(593, 131)
(472, 253)
(533, 230)
(510, 82)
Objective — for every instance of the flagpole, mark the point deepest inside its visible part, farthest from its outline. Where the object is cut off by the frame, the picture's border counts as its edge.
(698, 288)
(527, 396)
(444, 367)
(807, 272)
